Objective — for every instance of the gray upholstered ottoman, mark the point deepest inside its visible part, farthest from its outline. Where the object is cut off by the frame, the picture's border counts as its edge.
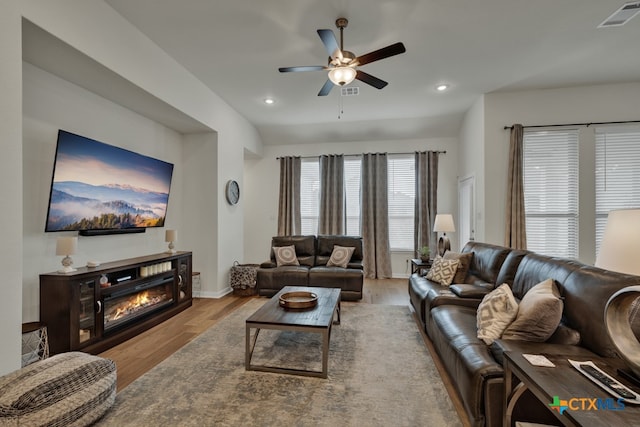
(68, 389)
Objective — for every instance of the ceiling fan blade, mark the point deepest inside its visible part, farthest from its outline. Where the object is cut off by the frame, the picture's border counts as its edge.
(303, 68)
(385, 52)
(326, 88)
(330, 43)
(370, 80)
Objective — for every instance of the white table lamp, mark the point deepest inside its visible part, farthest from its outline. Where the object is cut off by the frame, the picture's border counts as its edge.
(66, 246)
(620, 247)
(171, 236)
(620, 251)
(444, 223)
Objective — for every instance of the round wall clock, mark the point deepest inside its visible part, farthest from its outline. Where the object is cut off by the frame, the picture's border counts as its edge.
(232, 192)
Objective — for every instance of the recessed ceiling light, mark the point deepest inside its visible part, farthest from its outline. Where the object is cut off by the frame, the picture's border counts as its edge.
(269, 101)
(442, 87)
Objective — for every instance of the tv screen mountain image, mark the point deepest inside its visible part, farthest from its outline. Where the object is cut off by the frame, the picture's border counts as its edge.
(96, 186)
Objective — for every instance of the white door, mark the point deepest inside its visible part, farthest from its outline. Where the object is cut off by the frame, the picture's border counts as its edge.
(466, 210)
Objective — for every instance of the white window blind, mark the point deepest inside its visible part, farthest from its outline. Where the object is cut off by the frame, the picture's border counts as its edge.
(551, 192)
(617, 173)
(401, 198)
(309, 195)
(352, 168)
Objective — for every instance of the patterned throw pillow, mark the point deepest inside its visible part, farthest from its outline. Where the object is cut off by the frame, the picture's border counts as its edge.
(285, 255)
(495, 313)
(443, 270)
(340, 256)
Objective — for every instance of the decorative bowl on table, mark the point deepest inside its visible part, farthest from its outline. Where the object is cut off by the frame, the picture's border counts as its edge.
(298, 299)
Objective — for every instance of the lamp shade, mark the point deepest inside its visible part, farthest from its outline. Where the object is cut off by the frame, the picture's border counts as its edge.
(171, 235)
(444, 223)
(66, 245)
(620, 247)
(342, 75)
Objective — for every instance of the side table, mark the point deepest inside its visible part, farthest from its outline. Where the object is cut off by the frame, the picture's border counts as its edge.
(35, 342)
(568, 394)
(418, 266)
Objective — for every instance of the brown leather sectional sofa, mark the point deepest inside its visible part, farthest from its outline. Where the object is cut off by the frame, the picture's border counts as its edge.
(448, 315)
(313, 253)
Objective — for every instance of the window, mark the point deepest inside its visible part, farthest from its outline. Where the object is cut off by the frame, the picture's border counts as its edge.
(617, 173)
(401, 198)
(551, 192)
(309, 195)
(401, 194)
(352, 168)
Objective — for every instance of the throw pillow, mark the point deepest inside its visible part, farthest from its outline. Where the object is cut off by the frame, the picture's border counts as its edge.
(463, 267)
(539, 314)
(443, 270)
(340, 256)
(496, 311)
(285, 255)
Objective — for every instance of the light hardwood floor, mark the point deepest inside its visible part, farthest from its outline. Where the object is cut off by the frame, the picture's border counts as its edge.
(136, 356)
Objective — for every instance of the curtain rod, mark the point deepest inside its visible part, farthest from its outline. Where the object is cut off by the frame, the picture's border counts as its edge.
(577, 124)
(356, 155)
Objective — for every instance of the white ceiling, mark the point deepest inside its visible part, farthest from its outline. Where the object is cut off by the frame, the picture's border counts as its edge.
(235, 48)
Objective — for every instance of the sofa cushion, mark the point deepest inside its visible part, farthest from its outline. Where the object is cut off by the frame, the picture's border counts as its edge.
(564, 335)
(463, 266)
(285, 255)
(443, 270)
(539, 314)
(535, 268)
(496, 311)
(326, 243)
(486, 262)
(469, 291)
(305, 248)
(340, 256)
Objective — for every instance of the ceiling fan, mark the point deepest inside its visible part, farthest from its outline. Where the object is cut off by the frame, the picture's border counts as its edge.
(343, 65)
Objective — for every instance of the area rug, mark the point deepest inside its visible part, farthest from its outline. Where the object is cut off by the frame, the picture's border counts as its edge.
(380, 374)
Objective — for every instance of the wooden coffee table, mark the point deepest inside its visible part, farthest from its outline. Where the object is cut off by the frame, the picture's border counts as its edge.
(318, 319)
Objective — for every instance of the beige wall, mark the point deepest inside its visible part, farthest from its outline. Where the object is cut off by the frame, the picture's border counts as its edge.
(10, 184)
(97, 31)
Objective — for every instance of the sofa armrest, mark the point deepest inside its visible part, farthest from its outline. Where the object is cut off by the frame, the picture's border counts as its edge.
(469, 291)
(268, 264)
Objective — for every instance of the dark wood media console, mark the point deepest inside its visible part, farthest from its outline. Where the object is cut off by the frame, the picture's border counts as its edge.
(93, 309)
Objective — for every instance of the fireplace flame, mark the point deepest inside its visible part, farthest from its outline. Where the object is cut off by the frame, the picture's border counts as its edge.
(136, 302)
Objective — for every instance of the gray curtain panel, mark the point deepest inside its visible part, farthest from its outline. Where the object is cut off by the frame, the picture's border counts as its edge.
(374, 216)
(331, 218)
(289, 200)
(515, 235)
(426, 204)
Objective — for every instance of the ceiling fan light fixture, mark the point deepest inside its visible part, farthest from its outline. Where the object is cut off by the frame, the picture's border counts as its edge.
(341, 76)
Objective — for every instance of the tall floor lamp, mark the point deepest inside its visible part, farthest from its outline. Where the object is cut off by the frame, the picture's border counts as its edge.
(620, 251)
(444, 223)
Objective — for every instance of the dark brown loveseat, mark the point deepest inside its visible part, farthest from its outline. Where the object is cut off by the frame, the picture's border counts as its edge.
(313, 253)
(448, 315)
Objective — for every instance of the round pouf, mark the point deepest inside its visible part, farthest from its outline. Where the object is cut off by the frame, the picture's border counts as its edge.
(68, 389)
(617, 322)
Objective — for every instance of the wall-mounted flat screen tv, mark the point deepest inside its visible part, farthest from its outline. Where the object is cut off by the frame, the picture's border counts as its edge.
(97, 188)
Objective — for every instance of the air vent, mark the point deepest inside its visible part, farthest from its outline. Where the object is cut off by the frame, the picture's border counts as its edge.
(350, 91)
(622, 15)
